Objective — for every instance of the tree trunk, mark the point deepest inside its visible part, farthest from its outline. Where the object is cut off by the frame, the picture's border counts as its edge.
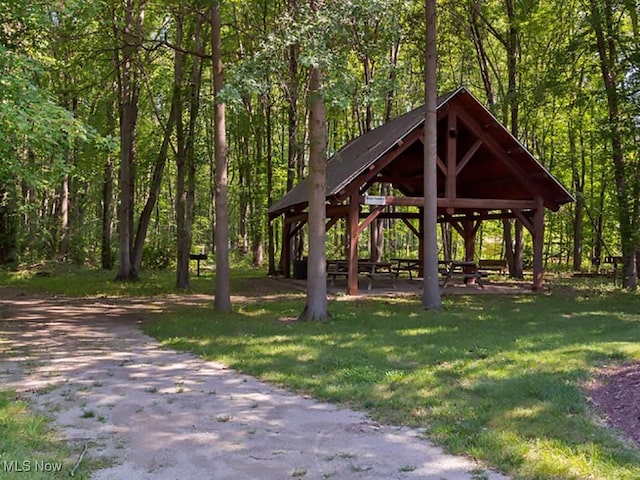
(63, 250)
(602, 20)
(8, 226)
(185, 161)
(128, 93)
(292, 93)
(431, 288)
(271, 248)
(481, 53)
(578, 174)
(513, 51)
(256, 195)
(107, 196)
(222, 301)
(106, 256)
(316, 308)
(154, 189)
(161, 159)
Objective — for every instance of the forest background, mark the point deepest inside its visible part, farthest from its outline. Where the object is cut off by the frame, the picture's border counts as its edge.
(111, 111)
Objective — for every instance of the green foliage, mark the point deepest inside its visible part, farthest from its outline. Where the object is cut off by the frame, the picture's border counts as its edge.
(58, 114)
(31, 121)
(158, 256)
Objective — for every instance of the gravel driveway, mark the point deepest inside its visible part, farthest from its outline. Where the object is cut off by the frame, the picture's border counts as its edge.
(153, 413)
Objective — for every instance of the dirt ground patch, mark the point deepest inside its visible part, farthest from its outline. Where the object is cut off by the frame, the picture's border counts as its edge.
(615, 392)
(153, 413)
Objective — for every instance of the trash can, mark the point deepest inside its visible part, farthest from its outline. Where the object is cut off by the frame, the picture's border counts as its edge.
(300, 269)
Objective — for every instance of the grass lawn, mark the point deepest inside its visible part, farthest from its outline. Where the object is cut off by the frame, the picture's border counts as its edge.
(81, 282)
(28, 448)
(497, 378)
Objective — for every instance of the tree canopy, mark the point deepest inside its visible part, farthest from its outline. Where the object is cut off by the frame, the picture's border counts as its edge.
(107, 117)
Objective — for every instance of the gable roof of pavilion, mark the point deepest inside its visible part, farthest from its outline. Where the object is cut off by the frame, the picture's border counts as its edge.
(361, 154)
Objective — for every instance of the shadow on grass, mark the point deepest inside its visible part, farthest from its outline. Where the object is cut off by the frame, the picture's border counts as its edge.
(496, 378)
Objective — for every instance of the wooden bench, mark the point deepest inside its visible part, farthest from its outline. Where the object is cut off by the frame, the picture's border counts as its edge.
(478, 276)
(496, 265)
(336, 268)
(384, 274)
(409, 265)
(463, 270)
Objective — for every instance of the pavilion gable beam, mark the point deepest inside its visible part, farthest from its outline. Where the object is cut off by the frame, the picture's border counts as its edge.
(476, 224)
(485, 203)
(481, 216)
(340, 211)
(466, 225)
(411, 227)
(370, 218)
(372, 181)
(297, 228)
(383, 161)
(443, 111)
(498, 151)
(337, 212)
(525, 221)
(469, 203)
(452, 142)
(457, 226)
(467, 156)
(296, 217)
(396, 215)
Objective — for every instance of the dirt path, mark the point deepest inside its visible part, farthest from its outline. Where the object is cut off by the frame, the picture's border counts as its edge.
(158, 414)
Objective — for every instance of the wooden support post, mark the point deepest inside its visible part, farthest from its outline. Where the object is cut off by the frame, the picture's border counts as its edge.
(286, 247)
(538, 244)
(421, 244)
(352, 251)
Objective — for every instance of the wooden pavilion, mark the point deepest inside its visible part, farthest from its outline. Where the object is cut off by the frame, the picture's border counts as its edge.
(483, 171)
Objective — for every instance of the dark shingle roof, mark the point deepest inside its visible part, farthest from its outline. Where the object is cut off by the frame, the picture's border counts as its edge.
(362, 152)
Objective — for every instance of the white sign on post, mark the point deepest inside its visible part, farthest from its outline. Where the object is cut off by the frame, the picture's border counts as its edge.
(375, 200)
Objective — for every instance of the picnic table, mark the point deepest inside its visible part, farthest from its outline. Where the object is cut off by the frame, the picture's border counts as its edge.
(368, 268)
(409, 265)
(462, 270)
(493, 264)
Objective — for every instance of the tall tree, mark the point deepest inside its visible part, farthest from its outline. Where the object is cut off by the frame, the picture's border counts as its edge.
(603, 16)
(185, 157)
(431, 288)
(222, 301)
(316, 307)
(128, 37)
(106, 207)
(515, 248)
